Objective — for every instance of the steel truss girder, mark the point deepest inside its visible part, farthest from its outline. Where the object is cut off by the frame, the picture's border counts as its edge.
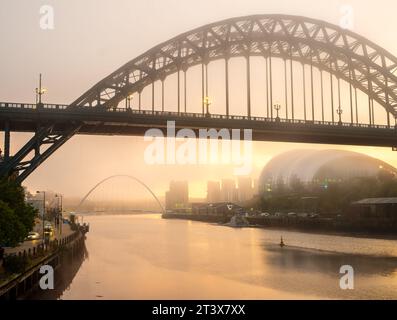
(347, 55)
(44, 137)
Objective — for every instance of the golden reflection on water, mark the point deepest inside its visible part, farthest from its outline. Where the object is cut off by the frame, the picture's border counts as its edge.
(146, 257)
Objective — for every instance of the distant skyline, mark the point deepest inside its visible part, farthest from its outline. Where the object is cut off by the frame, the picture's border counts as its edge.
(91, 39)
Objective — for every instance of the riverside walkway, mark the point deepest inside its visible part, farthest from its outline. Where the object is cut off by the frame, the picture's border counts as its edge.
(20, 281)
(30, 244)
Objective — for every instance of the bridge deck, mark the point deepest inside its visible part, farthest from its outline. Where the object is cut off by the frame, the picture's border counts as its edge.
(96, 121)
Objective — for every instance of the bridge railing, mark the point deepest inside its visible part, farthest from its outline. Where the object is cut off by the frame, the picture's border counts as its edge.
(252, 118)
(33, 106)
(62, 107)
(17, 105)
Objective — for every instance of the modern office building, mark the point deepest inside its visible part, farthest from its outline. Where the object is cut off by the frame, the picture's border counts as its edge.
(245, 189)
(213, 191)
(178, 195)
(228, 191)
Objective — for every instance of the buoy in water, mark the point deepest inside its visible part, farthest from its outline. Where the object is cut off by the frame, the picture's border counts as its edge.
(282, 244)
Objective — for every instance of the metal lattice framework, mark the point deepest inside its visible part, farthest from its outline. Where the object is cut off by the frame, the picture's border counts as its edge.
(42, 145)
(343, 54)
(347, 55)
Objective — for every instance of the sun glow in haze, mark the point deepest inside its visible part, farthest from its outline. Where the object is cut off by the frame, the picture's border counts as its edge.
(84, 160)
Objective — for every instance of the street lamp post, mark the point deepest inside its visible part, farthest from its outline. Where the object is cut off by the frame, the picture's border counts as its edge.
(277, 107)
(339, 111)
(39, 92)
(207, 104)
(128, 102)
(44, 209)
(60, 211)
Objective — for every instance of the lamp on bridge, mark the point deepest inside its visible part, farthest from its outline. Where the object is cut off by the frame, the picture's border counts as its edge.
(277, 107)
(39, 92)
(128, 102)
(339, 111)
(207, 103)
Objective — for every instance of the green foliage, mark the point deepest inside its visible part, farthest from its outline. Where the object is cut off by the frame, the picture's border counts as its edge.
(329, 197)
(16, 217)
(15, 264)
(12, 231)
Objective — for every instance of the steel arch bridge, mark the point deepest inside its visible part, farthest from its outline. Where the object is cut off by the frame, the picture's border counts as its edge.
(120, 176)
(343, 53)
(329, 57)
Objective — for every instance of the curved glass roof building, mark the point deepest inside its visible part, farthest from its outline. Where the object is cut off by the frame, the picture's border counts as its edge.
(320, 165)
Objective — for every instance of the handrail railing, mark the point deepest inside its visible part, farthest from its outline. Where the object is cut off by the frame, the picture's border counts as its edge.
(62, 107)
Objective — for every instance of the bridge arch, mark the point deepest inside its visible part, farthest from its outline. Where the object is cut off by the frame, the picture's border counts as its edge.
(342, 53)
(120, 176)
(366, 67)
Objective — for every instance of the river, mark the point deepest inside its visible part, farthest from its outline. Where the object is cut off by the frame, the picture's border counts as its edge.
(146, 257)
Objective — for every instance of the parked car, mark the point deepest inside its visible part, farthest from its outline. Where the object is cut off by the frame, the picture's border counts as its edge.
(33, 236)
(314, 215)
(265, 214)
(292, 215)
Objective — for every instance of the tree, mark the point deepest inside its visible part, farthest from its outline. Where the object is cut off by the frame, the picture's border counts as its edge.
(12, 231)
(16, 217)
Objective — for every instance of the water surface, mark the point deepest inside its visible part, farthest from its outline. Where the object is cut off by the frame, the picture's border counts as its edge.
(146, 257)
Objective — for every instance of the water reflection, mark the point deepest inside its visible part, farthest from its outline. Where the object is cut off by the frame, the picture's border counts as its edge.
(63, 277)
(146, 257)
(301, 259)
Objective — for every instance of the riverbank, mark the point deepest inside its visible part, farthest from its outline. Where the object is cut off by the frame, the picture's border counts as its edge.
(362, 229)
(18, 285)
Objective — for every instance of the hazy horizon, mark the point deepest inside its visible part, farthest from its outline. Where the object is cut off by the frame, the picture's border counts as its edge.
(91, 39)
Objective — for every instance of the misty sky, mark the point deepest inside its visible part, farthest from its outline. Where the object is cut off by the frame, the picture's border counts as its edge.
(92, 38)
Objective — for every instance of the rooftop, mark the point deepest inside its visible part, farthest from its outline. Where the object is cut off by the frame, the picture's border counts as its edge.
(309, 165)
(372, 201)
